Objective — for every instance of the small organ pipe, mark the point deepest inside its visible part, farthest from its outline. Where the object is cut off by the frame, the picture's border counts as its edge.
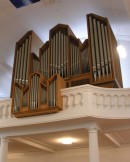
(56, 57)
(48, 52)
(25, 61)
(22, 61)
(30, 96)
(59, 46)
(45, 62)
(51, 54)
(73, 65)
(104, 47)
(66, 55)
(108, 50)
(77, 60)
(71, 52)
(54, 91)
(62, 56)
(35, 89)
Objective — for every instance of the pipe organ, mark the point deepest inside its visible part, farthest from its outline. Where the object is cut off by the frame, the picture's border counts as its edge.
(63, 61)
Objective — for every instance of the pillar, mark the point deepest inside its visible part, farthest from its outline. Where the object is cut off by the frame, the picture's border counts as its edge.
(93, 145)
(4, 149)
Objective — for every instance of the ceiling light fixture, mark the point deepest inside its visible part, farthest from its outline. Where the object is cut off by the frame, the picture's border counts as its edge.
(121, 51)
(67, 141)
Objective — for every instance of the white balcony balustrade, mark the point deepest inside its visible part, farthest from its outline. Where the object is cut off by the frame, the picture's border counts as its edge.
(5, 109)
(78, 102)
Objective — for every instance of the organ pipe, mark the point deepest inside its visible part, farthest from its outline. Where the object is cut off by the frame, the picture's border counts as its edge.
(93, 49)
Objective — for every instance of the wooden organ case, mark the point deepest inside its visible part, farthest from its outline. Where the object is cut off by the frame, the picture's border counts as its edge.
(63, 61)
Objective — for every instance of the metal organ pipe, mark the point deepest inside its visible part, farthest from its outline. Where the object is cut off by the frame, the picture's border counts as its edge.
(76, 60)
(101, 48)
(17, 98)
(22, 63)
(28, 55)
(108, 50)
(31, 94)
(64, 55)
(104, 49)
(61, 54)
(67, 60)
(25, 61)
(19, 65)
(51, 53)
(72, 59)
(34, 92)
(97, 49)
(93, 49)
(47, 54)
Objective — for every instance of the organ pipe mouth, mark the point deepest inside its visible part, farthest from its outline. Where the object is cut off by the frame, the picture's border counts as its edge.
(121, 51)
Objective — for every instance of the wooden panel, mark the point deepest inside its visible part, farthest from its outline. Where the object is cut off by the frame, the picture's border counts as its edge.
(116, 68)
(85, 57)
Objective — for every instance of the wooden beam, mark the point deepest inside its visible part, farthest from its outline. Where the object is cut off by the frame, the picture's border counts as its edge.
(113, 140)
(33, 143)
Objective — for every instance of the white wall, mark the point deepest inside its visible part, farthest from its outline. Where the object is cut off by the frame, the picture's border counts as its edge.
(77, 155)
(125, 65)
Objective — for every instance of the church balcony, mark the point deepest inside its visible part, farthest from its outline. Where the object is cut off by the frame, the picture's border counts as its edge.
(85, 101)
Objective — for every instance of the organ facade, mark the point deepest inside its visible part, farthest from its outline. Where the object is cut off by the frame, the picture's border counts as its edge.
(41, 70)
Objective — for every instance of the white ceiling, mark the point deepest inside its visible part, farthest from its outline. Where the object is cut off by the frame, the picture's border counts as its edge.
(47, 141)
(42, 16)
